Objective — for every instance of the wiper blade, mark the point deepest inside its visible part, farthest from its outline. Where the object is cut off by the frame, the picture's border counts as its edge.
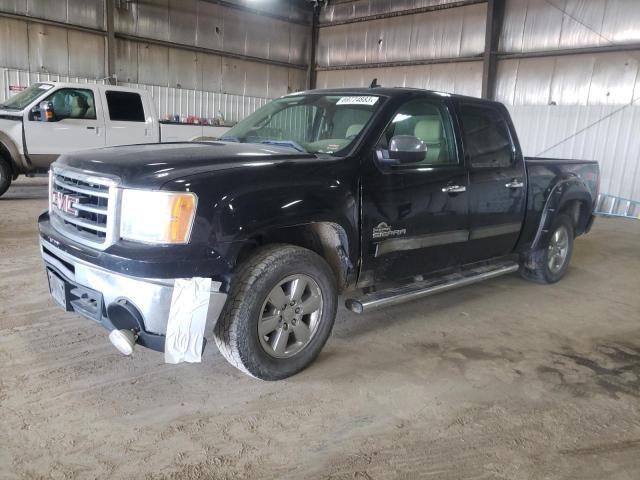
(285, 143)
(230, 139)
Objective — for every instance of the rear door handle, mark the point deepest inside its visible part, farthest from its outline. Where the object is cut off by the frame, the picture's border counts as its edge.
(514, 184)
(454, 189)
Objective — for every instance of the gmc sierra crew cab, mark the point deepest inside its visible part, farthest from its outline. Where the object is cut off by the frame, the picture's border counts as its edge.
(380, 195)
(49, 119)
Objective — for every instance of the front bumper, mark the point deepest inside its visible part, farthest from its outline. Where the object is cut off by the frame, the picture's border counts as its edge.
(91, 290)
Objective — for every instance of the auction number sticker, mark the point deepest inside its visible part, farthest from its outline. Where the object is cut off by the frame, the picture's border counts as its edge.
(357, 101)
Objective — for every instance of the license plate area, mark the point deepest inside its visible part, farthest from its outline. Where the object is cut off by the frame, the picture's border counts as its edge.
(58, 290)
(75, 298)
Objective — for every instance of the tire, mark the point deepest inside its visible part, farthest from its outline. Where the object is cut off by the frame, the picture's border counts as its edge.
(5, 176)
(284, 346)
(538, 266)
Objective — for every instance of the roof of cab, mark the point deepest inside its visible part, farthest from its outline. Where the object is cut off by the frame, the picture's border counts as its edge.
(93, 85)
(388, 92)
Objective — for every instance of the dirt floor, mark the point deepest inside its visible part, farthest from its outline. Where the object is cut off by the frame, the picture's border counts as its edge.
(502, 380)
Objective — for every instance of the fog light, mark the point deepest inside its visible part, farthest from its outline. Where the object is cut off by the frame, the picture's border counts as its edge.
(123, 340)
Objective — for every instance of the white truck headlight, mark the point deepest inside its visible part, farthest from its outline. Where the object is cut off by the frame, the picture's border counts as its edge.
(157, 217)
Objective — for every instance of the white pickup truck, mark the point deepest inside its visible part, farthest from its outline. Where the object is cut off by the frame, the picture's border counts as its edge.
(49, 119)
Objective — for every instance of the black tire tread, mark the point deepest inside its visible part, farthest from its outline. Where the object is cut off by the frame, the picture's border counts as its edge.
(533, 266)
(225, 334)
(5, 175)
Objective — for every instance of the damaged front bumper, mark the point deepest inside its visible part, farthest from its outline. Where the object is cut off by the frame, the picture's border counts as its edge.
(92, 291)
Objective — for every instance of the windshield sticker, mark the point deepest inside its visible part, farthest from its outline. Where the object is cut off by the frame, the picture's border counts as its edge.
(45, 87)
(357, 101)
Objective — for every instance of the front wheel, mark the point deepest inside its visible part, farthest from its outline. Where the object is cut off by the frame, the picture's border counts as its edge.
(5, 176)
(549, 264)
(279, 314)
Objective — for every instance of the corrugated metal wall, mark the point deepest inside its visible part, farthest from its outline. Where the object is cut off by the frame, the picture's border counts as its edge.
(577, 106)
(447, 33)
(534, 25)
(570, 106)
(37, 47)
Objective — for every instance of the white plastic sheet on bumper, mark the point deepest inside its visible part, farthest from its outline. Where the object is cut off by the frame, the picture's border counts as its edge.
(187, 320)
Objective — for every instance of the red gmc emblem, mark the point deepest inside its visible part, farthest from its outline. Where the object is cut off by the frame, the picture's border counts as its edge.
(65, 202)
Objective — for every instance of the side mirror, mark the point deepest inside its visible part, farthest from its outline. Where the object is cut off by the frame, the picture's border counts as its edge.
(407, 149)
(34, 114)
(44, 112)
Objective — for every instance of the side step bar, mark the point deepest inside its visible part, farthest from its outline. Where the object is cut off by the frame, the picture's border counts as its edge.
(425, 288)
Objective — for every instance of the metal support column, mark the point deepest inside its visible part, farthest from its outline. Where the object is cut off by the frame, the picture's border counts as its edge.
(495, 16)
(111, 41)
(315, 31)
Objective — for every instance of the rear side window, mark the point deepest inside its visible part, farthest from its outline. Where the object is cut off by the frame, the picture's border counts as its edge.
(486, 137)
(125, 107)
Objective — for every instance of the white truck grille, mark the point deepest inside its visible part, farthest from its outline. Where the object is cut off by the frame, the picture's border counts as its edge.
(84, 207)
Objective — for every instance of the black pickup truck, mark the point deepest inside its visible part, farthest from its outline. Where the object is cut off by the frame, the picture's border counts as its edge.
(380, 195)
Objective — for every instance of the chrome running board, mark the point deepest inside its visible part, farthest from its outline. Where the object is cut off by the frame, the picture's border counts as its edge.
(424, 288)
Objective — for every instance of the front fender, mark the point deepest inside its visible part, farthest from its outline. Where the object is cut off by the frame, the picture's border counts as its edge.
(237, 206)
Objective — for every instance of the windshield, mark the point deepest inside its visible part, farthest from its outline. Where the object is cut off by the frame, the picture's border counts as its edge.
(313, 123)
(24, 98)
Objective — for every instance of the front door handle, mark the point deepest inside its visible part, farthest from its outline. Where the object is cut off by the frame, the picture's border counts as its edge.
(454, 189)
(514, 184)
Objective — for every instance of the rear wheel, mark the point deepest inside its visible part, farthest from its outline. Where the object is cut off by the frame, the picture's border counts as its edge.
(5, 176)
(549, 264)
(279, 314)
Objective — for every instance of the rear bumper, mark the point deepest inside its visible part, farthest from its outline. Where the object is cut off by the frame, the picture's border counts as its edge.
(93, 289)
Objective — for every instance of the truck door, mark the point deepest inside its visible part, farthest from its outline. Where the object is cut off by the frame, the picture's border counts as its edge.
(415, 215)
(77, 124)
(129, 121)
(497, 187)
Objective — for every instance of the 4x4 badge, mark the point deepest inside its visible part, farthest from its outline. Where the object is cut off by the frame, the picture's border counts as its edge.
(383, 231)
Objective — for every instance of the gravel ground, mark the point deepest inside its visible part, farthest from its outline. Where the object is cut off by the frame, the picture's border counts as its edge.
(501, 380)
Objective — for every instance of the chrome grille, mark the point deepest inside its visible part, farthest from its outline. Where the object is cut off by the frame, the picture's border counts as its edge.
(83, 206)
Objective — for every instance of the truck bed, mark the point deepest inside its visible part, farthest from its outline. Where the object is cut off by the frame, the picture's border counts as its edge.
(547, 175)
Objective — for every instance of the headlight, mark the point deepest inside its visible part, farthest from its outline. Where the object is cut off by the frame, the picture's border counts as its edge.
(157, 217)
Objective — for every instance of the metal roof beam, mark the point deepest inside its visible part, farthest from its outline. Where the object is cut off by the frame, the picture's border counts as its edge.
(619, 47)
(221, 53)
(403, 63)
(493, 27)
(402, 13)
(52, 23)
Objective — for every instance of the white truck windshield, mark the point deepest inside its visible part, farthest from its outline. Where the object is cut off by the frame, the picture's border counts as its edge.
(24, 98)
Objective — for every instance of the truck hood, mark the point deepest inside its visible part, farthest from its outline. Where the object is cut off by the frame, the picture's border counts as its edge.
(17, 114)
(151, 166)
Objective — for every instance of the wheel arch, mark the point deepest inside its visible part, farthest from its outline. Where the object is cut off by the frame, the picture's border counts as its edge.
(326, 238)
(7, 153)
(569, 196)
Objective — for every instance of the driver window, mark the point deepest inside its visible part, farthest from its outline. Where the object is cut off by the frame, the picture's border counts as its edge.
(429, 122)
(73, 103)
